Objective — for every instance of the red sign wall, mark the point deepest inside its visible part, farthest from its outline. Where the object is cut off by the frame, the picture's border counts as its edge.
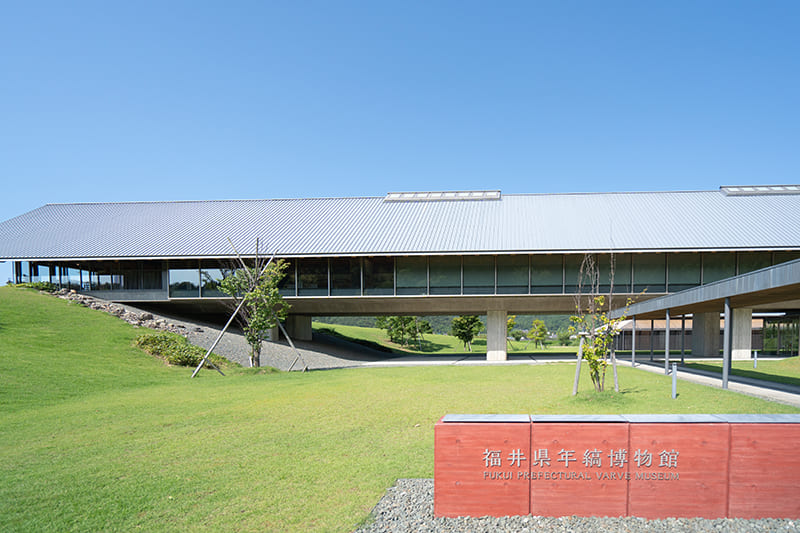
(651, 466)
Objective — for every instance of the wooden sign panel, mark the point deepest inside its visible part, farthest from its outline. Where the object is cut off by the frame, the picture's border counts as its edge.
(482, 465)
(579, 467)
(679, 468)
(765, 467)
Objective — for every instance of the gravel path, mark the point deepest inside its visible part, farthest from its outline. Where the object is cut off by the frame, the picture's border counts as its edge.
(324, 352)
(408, 506)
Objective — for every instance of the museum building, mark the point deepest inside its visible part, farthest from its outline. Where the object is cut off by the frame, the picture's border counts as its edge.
(456, 252)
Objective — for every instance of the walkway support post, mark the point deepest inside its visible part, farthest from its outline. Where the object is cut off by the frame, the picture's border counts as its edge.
(633, 342)
(674, 380)
(666, 345)
(726, 343)
(683, 339)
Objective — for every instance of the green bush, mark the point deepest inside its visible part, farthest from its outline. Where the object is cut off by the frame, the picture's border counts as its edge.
(45, 286)
(176, 350)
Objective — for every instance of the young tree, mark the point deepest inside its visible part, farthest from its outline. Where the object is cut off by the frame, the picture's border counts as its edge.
(263, 305)
(421, 327)
(592, 320)
(563, 336)
(511, 322)
(465, 328)
(538, 333)
(404, 330)
(397, 328)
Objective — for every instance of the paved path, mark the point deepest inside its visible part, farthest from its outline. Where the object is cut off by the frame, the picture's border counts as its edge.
(467, 360)
(768, 390)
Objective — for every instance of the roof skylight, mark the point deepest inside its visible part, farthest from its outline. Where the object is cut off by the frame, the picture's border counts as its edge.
(759, 190)
(441, 196)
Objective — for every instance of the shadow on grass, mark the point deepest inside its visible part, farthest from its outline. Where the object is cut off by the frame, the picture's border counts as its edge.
(753, 374)
(427, 346)
(369, 344)
(423, 346)
(608, 398)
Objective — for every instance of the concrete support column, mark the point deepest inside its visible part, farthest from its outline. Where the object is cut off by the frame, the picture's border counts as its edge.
(652, 338)
(683, 338)
(299, 327)
(705, 335)
(742, 334)
(496, 331)
(275, 334)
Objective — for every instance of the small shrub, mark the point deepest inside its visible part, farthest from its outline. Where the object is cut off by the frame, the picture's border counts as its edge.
(45, 286)
(176, 350)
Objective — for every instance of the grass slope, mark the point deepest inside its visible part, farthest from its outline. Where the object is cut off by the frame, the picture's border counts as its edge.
(98, 436)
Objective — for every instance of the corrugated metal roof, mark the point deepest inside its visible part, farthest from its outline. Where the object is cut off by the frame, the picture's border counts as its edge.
(705, 220)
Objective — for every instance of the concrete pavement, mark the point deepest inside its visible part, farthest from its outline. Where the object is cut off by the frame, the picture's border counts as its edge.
(767, 390)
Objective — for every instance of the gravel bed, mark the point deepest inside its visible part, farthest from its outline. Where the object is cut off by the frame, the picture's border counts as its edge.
(323, 352)
(408, 506)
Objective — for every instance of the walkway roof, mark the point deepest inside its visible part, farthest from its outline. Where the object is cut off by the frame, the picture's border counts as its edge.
(502, 223)
(772, 287)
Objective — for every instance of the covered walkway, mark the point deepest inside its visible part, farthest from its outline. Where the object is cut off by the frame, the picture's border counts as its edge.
(768, 289)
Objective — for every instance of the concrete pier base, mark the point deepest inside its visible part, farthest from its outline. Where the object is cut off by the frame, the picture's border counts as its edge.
(496, 336)
(742, 337)
(705, 335)
(299, 327)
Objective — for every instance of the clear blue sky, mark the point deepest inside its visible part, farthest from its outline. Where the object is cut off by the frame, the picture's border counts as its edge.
(172, 100)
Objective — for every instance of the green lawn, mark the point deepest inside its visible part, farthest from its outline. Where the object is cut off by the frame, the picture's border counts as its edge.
(432, 344)
(781, 371)
(98, 436)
